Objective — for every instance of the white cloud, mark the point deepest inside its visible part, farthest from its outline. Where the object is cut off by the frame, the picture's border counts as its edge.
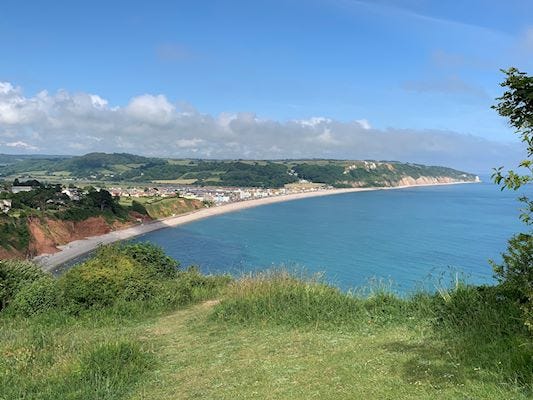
(22, 145)
(327, 138)
(151, 125)
(147, 108)
(364, 123)
(314, 121)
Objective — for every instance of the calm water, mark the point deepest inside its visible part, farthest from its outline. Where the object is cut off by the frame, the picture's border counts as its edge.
(407, 236)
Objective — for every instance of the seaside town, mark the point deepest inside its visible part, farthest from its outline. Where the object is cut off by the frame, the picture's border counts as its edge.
(212, 196)
(216, 196)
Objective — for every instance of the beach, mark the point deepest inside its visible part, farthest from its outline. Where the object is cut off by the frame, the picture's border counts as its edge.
(77, 248)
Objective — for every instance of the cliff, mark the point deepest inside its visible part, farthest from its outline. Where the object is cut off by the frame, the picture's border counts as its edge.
(411, 181)
(47, 234)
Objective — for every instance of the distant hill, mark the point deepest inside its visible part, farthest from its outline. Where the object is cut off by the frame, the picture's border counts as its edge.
(259, 173)
(6, 159)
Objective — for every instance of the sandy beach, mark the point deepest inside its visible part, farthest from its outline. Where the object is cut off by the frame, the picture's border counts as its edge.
(78, 248)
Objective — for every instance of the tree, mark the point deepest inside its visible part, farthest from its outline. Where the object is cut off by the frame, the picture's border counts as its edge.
(516, 271)
(516, 104)
(101, 199)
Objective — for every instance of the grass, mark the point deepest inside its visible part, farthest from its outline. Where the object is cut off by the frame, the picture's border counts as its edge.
(274, 336)
(172, 206)
(202, 359)
(176, 181)
(162, 207)
(57, 357)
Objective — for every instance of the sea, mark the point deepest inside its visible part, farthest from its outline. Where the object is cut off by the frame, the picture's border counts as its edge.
(403, 240)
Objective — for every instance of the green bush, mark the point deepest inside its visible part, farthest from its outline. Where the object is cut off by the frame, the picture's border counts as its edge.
(105, 279)
(152, 258)
(138, 208)
(129, 278)
(36, 297)
(515, 273)
(15, 275)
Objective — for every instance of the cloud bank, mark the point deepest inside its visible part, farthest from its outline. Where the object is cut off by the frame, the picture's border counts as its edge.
(77, 123)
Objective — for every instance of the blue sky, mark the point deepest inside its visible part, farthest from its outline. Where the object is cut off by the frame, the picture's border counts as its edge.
(410, 66)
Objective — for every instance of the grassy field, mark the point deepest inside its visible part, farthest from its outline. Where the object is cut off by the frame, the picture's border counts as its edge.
(172, 206)
(273, 337)
(158, 207)
(176, 181)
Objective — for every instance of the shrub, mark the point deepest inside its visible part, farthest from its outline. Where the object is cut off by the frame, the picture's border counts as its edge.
(138, 208)
(152, 258)
(103, 280)
(14, 275)
(516, 273)
(36, 297)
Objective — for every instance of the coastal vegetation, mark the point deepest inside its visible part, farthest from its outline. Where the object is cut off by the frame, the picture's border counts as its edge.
(516, 271)
(131, 323)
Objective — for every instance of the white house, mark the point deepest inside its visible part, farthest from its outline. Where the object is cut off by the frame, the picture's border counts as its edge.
(18, 189)
(5, 206)
(73, 194)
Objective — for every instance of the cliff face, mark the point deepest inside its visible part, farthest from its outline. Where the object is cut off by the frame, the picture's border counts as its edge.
(47, 234)
(429, 180)
(410, 181)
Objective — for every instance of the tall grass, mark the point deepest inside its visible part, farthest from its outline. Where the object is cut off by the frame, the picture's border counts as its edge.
(39, 371)
(280, 297)
(484, 327)
(479, 327)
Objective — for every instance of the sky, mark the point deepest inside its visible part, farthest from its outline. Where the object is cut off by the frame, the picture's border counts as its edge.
(407, 80)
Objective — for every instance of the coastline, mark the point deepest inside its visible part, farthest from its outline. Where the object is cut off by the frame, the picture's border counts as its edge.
(77, 248)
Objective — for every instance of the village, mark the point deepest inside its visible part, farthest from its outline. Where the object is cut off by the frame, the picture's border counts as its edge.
(214, 196)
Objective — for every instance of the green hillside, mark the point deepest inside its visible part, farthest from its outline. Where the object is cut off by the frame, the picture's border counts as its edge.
(119, 167)
(128, 323)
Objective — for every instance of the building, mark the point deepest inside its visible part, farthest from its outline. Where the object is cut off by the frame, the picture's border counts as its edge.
(73, 194)
(5, 206)
(18, 189)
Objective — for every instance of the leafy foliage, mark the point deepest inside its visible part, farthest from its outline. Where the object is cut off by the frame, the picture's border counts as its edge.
(152, 258)
(14, 276)
(138, 208)
(516, 104)
(14, 233)
(36, 297)
(117, 276)
(516, 271)
(107, 278)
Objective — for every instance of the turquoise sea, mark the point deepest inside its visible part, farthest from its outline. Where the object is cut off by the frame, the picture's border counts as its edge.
(410, 237)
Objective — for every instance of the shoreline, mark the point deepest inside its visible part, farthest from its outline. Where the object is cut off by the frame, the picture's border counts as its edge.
(77, 248)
